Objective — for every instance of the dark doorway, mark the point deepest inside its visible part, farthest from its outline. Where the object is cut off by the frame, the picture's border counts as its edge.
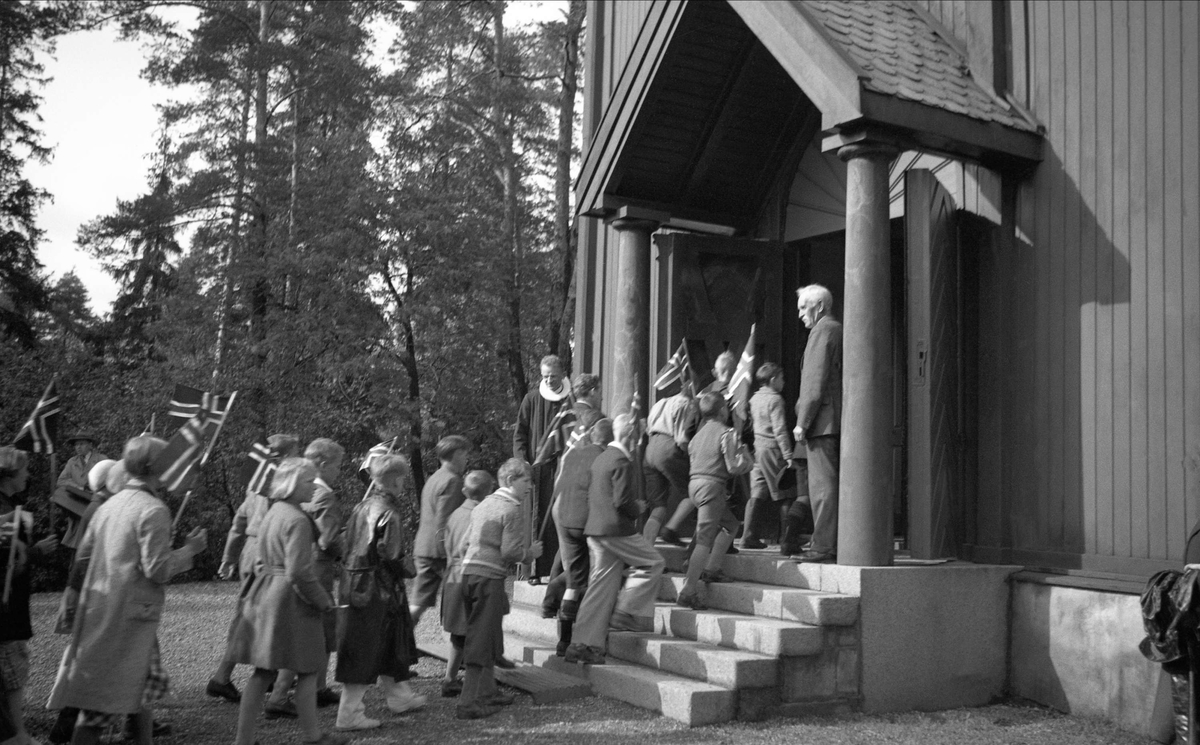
(822, 260)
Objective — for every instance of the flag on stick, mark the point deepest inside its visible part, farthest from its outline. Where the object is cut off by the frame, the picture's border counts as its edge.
(387, 447)
(187, 401)
(738, 392)
(178, 461)
(678, 368)
(555, 443)
(261, 463)
(178, 465)
(38, 433)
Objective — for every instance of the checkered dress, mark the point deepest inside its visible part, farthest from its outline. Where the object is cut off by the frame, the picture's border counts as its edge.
(158, 685)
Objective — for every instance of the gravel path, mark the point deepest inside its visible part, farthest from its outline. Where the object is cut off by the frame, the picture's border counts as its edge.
(192, 638)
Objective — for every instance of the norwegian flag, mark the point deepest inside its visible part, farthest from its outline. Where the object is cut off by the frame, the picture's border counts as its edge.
(261, 464)
(387, 447)
(555, 443)
(677, 369)
(38, 433)
(177, 465)
(187, 401)
(738, 392)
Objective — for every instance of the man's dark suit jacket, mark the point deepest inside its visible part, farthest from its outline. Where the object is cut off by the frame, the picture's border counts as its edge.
(574, 480)
(819, 405)
(612, 495)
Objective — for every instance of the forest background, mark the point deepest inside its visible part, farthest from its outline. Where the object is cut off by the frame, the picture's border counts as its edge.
(362, 248)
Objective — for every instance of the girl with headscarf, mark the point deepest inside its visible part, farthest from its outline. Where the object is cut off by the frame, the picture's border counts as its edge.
(283, 606)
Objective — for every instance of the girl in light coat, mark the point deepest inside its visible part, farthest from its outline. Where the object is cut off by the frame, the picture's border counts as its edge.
(112, 665)
(283, 607)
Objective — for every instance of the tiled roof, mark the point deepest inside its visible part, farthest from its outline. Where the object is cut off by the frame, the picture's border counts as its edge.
(904, 56)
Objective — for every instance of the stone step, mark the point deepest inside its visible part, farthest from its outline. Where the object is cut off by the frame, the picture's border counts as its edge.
(766, 636)
(526, 622)
(767, 567)
(692, 702)
(786, 603)
(729, 668)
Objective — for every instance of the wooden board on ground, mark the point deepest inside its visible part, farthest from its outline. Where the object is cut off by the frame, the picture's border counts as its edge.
(545, 686)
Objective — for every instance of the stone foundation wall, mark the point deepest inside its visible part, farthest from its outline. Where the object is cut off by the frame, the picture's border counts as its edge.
(1077, 651)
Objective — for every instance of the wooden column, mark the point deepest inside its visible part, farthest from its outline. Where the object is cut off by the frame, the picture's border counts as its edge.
(631, 331)
(865, 495)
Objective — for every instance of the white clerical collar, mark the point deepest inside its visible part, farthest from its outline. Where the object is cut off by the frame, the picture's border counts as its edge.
(552, 395)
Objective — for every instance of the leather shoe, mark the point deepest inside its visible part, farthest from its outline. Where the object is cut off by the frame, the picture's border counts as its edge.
(505, 664)
(477, 711)
(714, 575)
(451, 688)
(582, 653)
(286, 710)
(815, 557)
(627, 622)
(328, 697)
(226, 690)
(753, 544)
(499, 699)
(159, 729)
(691, 600)
(670, 536)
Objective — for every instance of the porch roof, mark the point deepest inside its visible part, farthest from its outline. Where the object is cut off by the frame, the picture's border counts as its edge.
(716, 97)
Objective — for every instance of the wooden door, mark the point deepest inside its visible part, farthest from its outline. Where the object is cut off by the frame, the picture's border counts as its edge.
(710, 290)
(934, 375)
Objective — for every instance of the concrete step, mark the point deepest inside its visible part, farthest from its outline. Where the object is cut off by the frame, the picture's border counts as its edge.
(766, 566)
(729, 668)
(768, 636)
(692, 702)
(786, 603)
(526, 622)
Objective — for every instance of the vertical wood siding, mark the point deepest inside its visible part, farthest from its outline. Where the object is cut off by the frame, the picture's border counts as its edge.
(1107, 239)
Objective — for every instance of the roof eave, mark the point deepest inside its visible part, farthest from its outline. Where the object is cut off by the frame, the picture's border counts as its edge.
(918, 126)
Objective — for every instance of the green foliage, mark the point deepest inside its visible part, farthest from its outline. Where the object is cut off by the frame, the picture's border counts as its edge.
(328, 240)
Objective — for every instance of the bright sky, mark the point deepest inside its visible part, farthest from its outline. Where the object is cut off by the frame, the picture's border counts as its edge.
(98, 114)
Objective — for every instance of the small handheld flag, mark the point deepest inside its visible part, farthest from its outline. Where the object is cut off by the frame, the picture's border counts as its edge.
(738, 392)
(555, 443)
(260, 466)
(387, 447)
(678, 368)
(38, 433)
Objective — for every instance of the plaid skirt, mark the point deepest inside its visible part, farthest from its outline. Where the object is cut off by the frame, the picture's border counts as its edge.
(158, 684)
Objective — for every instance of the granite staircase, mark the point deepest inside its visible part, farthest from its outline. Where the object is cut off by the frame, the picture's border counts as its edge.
(778, 639)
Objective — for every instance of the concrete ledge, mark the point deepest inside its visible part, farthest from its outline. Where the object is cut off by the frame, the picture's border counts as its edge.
(789, 604)
(1077, 650)
(738, 631)
(729, 668)
(689, 701)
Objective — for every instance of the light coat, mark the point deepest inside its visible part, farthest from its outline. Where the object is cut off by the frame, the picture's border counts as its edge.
(283, 607)
(128, 549)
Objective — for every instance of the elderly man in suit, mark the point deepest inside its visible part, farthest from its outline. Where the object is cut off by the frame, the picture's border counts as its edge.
(615, 545)
(819, 416)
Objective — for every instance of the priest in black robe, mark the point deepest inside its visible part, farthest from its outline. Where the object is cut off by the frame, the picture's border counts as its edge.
(534, 419)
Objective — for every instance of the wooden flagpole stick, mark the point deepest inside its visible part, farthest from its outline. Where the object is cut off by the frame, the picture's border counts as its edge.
(12, 554)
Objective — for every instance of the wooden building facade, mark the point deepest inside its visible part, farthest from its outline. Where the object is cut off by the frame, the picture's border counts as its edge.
(1040, 345)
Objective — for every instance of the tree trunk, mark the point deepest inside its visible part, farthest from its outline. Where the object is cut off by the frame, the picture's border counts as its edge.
(235, 235)
(560, 337)
(511, 187)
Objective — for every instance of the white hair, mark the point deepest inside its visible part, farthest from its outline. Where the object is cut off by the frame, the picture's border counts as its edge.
(817, 294)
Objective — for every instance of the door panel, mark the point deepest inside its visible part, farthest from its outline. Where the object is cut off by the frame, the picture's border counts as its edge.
(934, 491)
(710, 290)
